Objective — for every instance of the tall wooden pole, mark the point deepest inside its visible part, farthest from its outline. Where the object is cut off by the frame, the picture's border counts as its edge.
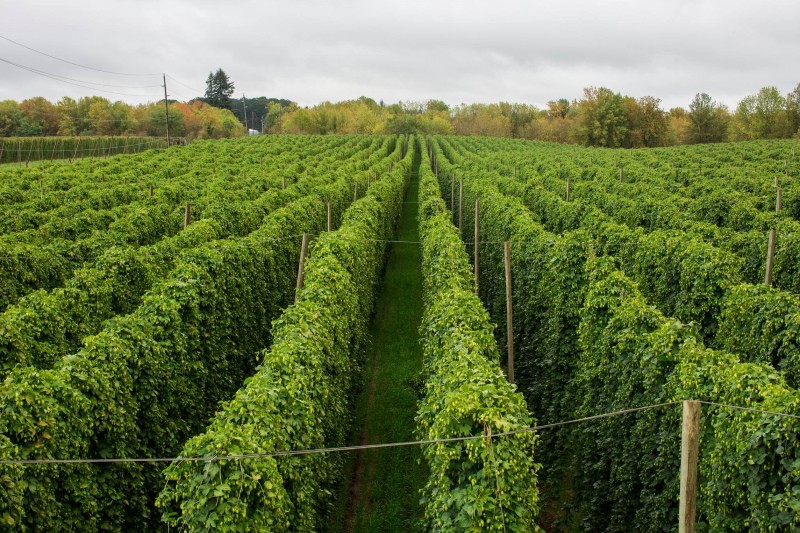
(453, 193)
(187, 215)
(690, 452)
(509, 312)
(770, 258)
(166, 108)
(477, 245)
(301, 270)
(244, 105)
(460, 204)
(330, 217)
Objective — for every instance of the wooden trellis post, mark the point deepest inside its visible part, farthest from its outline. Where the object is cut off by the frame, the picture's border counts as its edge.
(187, 215)
(477, 246)
(509, 312)
(690, 452)
(460, 204)
(770, 258)
(453, 193)
(301, 269)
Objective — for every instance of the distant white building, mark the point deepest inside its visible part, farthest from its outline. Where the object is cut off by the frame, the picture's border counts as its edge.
(253, 132)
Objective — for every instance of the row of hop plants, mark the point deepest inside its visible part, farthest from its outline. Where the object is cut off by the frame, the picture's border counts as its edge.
(588, 342)
(25, 149)
(687, 277)
(301, 396)
(717, 183)
(44, 325)
(485, 484)
(46, 239)
(151, 379)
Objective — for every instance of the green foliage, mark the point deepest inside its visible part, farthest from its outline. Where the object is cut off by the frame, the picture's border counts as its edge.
(157, 123)
(589, 343)
(300, 397)
(149, 380)
(749, 479)
(22, 150)
(47, 265)
(10, 118)
(762, 116)
(763, 325)
(708, 121)
(602, 118)
(683, 277)
(482, 484)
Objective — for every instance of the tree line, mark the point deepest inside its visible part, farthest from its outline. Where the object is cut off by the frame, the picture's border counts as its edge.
(211, 116)
(601, 118)
(95, 115)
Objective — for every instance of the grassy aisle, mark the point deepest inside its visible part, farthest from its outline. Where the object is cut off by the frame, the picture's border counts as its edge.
(383, 492)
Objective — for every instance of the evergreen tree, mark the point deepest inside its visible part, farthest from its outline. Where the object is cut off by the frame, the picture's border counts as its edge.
(219, 89)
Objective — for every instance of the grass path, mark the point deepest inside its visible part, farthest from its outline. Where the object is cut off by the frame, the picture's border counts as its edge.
(383, 491)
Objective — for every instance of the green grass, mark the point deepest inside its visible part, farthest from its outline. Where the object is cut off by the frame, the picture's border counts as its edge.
(381, 489)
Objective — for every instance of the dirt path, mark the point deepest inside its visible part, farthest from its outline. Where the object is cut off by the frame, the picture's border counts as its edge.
(383, 493)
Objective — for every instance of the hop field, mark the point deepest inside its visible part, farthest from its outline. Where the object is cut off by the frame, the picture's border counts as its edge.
(150, 309)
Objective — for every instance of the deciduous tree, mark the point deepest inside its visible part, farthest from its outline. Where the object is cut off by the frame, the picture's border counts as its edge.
(761, 116)
(41, 111)
(793, 110)
(648, 122)
(708, 120)
(602, 119)
(10, 118)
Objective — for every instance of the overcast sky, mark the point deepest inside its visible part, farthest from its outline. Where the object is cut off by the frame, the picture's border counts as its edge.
(457, 51)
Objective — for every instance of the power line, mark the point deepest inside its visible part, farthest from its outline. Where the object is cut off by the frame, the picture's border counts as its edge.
(84, 81)
(187, 86)
(172, 92)
(76, 64)
(56, 77)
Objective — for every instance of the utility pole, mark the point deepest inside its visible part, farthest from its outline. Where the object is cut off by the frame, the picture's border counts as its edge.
(166, 108)
(244, 103)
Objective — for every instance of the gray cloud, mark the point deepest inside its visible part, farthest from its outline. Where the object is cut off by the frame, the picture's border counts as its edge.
(459, 52)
